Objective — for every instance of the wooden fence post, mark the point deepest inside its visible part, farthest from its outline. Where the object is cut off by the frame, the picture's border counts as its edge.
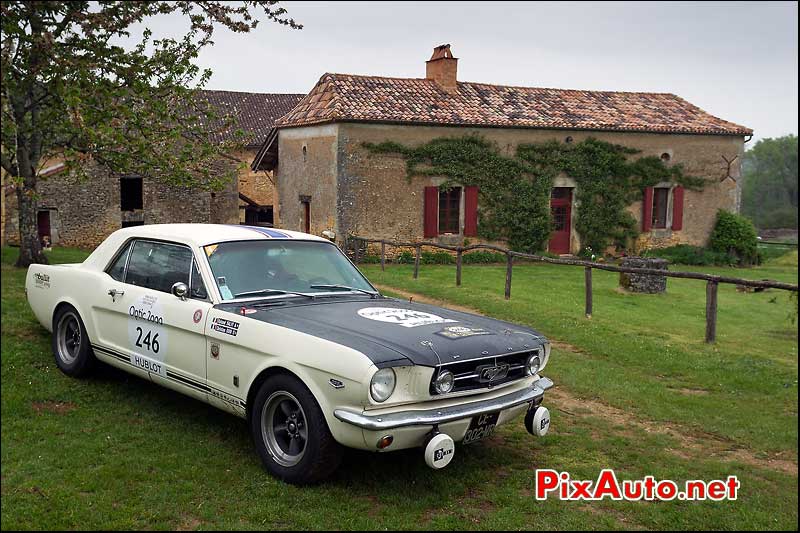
(588, 278)
(383, 255)
(509, 263)
(459, 255)
(357, 254)
(711, 311)
(416, 260)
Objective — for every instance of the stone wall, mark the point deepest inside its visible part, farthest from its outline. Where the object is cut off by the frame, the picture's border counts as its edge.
(376, 199)
(83, 212)
(257, 186)
(308, 167)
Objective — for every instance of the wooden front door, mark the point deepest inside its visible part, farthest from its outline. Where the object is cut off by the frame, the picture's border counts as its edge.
(561, 209)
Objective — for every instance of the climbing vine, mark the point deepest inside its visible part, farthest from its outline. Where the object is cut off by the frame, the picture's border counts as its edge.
(515, 189)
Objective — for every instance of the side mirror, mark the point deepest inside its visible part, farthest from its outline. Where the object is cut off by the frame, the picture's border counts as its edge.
(180, 290)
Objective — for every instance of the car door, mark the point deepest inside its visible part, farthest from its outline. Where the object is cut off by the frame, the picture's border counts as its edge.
(144, 323)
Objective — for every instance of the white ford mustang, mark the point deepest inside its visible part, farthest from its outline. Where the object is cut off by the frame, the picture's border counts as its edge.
(281, 329)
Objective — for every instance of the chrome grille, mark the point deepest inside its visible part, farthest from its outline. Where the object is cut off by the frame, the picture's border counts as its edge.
(474, 374)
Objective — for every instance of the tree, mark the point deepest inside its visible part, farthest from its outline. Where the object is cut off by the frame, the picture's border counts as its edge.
(769, 188)
(72, 92)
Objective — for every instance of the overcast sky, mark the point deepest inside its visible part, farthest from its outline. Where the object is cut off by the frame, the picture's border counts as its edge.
(737, 61)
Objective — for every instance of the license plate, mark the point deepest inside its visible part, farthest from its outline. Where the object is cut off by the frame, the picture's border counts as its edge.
(482, 426)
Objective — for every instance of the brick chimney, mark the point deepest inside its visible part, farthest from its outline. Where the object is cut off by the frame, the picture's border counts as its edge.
(442, 68)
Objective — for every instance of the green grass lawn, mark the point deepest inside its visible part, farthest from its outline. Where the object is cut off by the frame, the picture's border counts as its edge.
(637, 390)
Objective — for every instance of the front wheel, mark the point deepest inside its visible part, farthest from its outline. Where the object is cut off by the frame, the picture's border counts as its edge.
(290, 432)
(71, 347)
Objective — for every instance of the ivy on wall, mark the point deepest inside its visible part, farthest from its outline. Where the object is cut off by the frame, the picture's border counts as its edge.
(515, 190)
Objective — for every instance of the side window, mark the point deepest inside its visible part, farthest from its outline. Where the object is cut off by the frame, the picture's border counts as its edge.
(158, 266)
(117, 269)
(197, 287)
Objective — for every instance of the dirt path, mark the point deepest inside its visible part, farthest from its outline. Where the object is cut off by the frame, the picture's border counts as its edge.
(693, 445)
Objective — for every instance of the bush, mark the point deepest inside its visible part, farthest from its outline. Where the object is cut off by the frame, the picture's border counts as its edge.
(735, 235)
(405, 257)
(370, 259)
(440, 257)
(685, 254)
(482, 256)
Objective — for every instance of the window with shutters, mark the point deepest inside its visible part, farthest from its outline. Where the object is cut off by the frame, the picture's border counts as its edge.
(449, 210)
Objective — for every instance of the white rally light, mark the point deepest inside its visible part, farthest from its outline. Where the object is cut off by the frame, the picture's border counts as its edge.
(439, 451)
(444, 382)
(534, 364)
(382, 384)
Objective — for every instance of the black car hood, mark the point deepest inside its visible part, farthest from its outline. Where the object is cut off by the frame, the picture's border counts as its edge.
(395, 332)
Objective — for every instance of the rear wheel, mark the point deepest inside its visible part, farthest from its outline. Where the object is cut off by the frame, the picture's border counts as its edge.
(71, 347)
(290, 432)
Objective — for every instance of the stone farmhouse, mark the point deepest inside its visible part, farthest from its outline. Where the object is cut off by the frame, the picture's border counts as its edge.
(327, 180)
(83, 213)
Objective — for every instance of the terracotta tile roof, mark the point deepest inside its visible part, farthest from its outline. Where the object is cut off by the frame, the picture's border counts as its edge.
(350, 98)
(253, 113)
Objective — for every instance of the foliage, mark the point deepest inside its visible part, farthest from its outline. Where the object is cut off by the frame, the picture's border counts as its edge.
(515, 190)
(370, 259)
(76, 87)
(405, 257)
(482, 256)
(769, 183)
(735, 235)
(686, 254)
(439, 257)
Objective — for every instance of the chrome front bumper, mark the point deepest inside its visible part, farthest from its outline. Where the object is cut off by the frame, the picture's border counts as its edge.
(443, 415)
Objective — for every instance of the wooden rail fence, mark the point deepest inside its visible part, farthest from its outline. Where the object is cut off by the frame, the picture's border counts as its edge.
(712, 281)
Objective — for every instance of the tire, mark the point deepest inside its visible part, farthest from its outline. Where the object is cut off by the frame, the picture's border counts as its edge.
(290, 432)
(71, 347)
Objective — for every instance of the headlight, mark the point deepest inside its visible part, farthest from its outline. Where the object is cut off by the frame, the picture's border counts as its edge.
(444, 382)
(534, 364)
(382, 384)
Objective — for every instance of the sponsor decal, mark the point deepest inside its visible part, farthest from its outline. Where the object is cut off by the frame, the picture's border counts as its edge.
(441, 453)
(336, 384)
(215, 350)
(41, 280)
(406, 318)
(227, 398)
(460, 332)
(228, 327)
(146, 332)
(608, 486)
(149, 365)
(198, 315)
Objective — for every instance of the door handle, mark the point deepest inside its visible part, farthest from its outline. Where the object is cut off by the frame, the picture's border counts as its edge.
(114, 293)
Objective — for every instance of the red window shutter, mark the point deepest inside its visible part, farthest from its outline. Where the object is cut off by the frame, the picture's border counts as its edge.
(431, 225)
(647, 209)
(471, 211)
(677, 208)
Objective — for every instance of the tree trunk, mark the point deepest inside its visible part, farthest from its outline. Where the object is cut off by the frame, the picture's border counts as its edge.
(30, 247)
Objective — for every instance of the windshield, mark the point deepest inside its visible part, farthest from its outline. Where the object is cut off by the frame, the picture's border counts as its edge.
(247, 269)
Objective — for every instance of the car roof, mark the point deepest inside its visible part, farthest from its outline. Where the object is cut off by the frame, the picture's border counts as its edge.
(191, 234)
(203, 234)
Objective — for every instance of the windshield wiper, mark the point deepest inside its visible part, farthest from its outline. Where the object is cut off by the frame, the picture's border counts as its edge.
(345, 288)
(267, 292)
